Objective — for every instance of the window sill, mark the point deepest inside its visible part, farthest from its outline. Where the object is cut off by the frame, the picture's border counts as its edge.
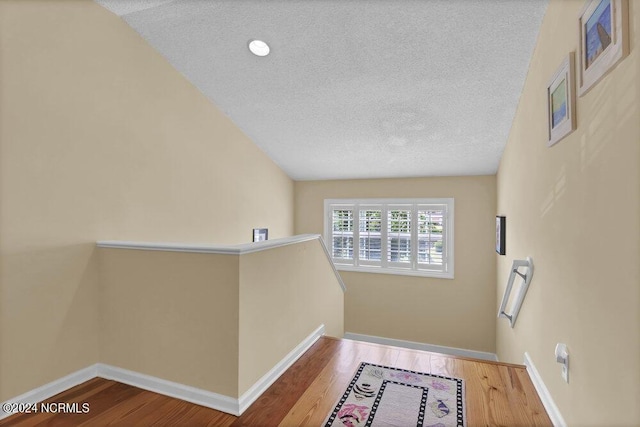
(394, 271)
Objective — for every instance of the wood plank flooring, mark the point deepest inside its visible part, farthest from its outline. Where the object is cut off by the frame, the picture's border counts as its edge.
(497, 394)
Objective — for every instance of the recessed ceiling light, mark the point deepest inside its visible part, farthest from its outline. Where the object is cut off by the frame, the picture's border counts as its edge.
(259, 48)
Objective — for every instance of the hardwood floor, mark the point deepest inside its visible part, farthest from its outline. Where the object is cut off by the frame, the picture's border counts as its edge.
(497, 394)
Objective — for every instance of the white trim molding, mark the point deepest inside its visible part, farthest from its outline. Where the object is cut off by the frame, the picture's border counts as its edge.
(51, 389)
(452, 351)
(543, 392)
(245, 248)
(187, 393)
(169, 388)
(270, 377)
(394, 271)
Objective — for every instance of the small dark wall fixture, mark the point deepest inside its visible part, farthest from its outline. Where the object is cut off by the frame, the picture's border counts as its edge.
(260, 234)
(501, 235)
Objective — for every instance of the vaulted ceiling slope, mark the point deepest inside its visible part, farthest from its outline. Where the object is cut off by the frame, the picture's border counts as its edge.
(355, 88)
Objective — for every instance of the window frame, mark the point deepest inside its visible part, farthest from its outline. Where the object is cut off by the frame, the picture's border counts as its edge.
(385, 265)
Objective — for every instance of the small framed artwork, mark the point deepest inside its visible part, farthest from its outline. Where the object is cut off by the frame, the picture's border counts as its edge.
(260, 234)
(561, 102)
(604, 39)
(501, 235)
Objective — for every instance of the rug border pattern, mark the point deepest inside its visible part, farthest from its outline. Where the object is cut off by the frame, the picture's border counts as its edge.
(376, 403)
(460, 393)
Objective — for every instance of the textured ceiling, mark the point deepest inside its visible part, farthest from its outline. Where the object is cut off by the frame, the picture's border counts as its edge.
(355, 88)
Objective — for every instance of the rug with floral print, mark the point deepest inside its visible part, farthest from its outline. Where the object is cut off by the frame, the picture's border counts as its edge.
(384, 396)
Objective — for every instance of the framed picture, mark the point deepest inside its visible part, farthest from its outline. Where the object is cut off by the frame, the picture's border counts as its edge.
(561, 102)
(604, 40)
(501, 233)
(260, 234)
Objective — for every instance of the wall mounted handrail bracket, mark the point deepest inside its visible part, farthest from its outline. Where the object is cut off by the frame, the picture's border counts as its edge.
(517, 299)
(524, 276)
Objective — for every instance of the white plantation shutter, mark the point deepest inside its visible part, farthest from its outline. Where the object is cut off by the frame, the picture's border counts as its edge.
(342, 238)
(370, 235)
(432, 237)
(396, 236)
(400, 225)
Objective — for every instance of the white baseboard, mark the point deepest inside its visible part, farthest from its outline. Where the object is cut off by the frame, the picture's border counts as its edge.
(51, 389)
(198, 396)
(169, 388)
(543, 392)
(453, 351)
(270, 377)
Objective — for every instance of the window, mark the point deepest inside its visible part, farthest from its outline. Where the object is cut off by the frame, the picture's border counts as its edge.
(393, 236)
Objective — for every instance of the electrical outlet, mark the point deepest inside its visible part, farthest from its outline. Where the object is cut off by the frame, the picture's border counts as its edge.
(565, 372)
(562, 356)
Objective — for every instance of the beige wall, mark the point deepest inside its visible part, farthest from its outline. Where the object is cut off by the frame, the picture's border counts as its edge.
(456, 313)
(215, 322)
(575, 208)
(171, 315)
(100, 138)
(285, 294)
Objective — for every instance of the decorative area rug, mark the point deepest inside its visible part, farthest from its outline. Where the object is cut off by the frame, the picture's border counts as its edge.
(384, 396)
